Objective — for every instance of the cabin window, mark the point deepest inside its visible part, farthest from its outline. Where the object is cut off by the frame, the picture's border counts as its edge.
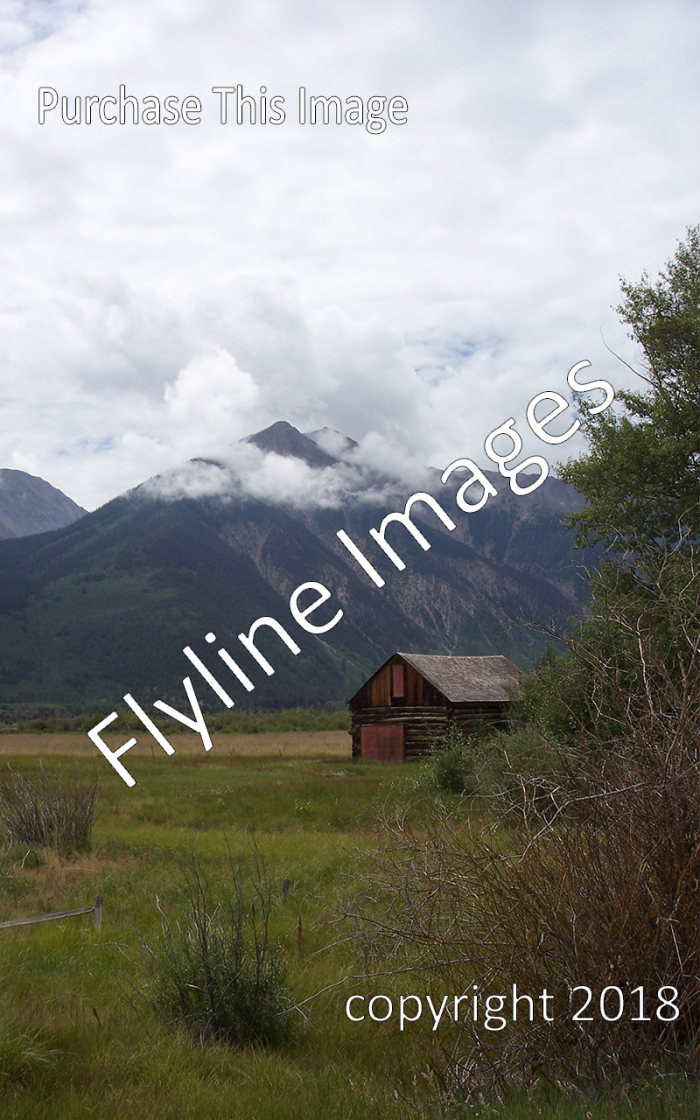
(398, 682)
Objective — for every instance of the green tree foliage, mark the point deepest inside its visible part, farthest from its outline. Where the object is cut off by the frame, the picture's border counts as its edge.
(641, 476)
(641, 482)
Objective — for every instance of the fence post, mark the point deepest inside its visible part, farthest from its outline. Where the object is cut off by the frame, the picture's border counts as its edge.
(98, 911)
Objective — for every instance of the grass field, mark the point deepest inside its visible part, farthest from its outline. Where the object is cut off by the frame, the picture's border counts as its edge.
(286, 743)
(78, 1038)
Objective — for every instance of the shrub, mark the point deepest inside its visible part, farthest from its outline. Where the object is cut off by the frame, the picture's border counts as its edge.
(489, 762)
(215, 971)
(47, 811)
(450, 767)
(590, 876)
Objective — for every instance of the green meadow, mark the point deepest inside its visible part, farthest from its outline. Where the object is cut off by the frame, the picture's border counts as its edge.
(79, 1036)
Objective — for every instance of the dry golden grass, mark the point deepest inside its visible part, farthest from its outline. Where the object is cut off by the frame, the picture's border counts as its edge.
(288, 744)
(49, 881)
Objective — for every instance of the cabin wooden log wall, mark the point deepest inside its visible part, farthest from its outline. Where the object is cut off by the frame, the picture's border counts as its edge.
(423, 725)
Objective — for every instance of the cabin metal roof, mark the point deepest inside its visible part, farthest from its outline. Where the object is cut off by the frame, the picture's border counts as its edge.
(467, 679)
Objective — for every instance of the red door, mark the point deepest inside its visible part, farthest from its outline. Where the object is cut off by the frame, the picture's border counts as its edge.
(382, 741)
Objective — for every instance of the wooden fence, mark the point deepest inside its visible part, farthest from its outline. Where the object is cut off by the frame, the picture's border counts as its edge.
(96, 909)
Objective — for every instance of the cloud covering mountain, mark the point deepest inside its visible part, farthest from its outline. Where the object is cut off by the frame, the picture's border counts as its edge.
(163, 291)
(107, 605)
(284, 467)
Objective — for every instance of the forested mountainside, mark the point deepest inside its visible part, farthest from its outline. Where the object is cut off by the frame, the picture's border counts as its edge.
(106, 604)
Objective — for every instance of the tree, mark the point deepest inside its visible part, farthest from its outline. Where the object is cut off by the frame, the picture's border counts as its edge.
(641, 482)
(641, 476)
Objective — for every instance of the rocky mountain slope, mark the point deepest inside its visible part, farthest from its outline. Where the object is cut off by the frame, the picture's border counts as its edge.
(106, 605)
(29, 505)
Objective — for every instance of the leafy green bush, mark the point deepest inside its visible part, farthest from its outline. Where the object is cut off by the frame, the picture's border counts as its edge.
(521, 763)
(215, 971)
(451, 765)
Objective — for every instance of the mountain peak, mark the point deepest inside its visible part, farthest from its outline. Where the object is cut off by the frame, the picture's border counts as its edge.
(29, 505)
(332, 441)
(285, 439)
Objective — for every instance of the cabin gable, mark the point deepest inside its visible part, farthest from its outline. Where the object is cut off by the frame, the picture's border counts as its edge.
(381, 691)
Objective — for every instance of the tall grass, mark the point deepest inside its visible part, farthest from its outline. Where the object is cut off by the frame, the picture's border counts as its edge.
(49, 812)
(24, 1055)
(215, 971)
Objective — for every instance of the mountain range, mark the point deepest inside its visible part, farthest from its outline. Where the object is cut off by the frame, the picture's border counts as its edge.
(106, 604)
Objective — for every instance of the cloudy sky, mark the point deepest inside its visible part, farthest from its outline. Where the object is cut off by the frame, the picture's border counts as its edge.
(166, 290)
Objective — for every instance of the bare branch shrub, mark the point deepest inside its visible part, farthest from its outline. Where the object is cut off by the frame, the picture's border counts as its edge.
(587, 877)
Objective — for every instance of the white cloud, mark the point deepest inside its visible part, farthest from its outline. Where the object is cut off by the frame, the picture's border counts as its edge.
(208, 399)
(165, 290)
(194, 479)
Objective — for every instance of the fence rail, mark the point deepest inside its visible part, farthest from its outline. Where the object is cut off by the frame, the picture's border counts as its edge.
(96, 910)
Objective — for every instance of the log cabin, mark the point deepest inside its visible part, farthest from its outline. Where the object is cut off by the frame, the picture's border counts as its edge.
(410, 701)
